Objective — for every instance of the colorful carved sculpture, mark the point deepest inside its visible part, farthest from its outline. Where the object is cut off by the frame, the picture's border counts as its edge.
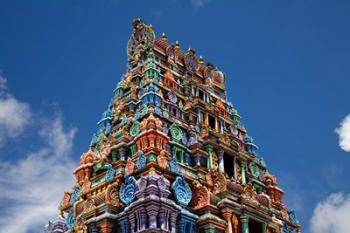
(182, 191)
(171, 154)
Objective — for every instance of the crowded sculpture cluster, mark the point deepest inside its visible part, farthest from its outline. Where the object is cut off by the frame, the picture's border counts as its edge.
(171, 154)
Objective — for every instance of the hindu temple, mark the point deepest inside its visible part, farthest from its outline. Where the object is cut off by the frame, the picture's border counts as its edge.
(171, 154)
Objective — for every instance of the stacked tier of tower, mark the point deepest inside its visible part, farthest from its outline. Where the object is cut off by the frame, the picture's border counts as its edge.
(171, 154)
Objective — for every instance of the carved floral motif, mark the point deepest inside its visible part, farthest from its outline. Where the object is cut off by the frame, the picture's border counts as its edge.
(182, 191)
(112, 194)
(162, 159)
(130, 166)
(217, 180)
(201, 196)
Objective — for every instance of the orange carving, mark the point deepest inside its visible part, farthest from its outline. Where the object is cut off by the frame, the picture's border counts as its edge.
(162, 159)
(217, 180)
(112, 194)
(151, 137)
(130, 166)
(200, 196)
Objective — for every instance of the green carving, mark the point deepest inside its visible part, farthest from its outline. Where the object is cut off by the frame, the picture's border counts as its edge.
(133, 149)
(254, 169)
(152, 158)
(118, 134)
(176, 132)
(165, 114)
(120, 170)
(144, 111)
(135, 129)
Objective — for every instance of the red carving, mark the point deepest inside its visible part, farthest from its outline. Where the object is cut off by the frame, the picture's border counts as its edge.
(130, 166)
(163, 159)
(151, 137)
(200, 196)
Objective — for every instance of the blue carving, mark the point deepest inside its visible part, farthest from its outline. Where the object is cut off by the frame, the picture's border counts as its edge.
(110, 173)
(94, 139)
(182, 191)
(144, 111)
(250, 146)
(75, 195)
(128, 189)
(70, 222)
(184, 139)
(158, 111)
(141, 161)
(292, 217)
(137, 115)
(105, 123)
(187, 159)
(124, 224)
(186, 223)
(165, 113)
(174, 165)
(124, 120)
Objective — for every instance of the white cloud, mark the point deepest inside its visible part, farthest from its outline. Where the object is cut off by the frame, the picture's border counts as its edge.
(32, 187)
(332, 215)
(344, 134)
(14, 114)
(199, 3)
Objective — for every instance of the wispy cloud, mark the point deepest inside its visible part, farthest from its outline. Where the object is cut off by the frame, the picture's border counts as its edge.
(32, 187)
(332, 215)
(14, 114)
(344, 134)
(199, 3)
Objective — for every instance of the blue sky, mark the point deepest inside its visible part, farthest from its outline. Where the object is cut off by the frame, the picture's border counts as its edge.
(287, 64)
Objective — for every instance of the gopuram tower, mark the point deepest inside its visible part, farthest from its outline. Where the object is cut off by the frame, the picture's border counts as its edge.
(171, 155)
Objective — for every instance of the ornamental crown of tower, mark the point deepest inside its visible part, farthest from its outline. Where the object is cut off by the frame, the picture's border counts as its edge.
(171, 154)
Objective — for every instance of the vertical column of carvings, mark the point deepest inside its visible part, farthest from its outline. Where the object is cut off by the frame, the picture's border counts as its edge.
(227, 214)
(152, 212)
(243, 168)
(221, 160)
(132, 222)
(263, 226)
(244, 221)
(235, 223)
(173, 217)
(124, 224)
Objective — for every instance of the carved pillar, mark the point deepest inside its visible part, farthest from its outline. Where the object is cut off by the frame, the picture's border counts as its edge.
(263, 225)
(181, 225)
(221, 160)
(124, 224)
(243, 167)
(122, 154)
(227, 213)
(163, 218)
(132, 222)
(209, 149)
(235, 223)
(198, 160)
(245, 226)
(206, 118)
(152, 212)
(142, 220)
(234, 167)
(114, 156)
(173, 218)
